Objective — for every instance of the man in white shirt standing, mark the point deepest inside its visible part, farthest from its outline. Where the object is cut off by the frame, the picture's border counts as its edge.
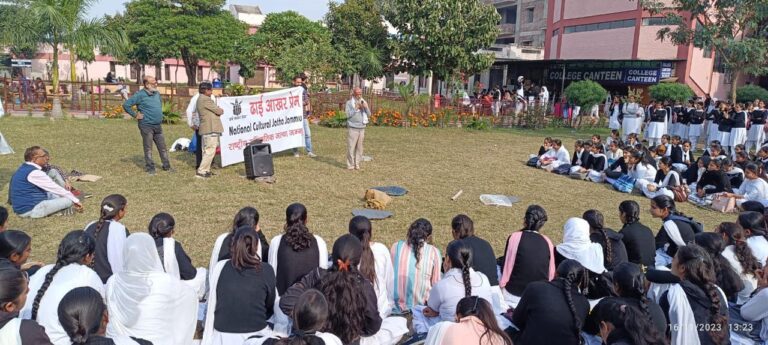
(33, 194)
(193, 121)
(357, 117)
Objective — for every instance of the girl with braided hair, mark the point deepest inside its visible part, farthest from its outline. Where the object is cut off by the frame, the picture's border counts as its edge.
(110, 236)
(638, 238)
(755, 227)
(175, 260)
(629, 285)
(676, 231)
(84, 316)
(696, 308)
(375, 263)
(554, 312)
(739, 256)
(417, 266)
(475, 324)
(246, 216)
(622, 324)
(613, 248)
(460, 280)
(49, 285)
(13, 296)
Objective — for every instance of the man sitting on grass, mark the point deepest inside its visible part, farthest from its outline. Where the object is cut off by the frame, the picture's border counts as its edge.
(33, 194)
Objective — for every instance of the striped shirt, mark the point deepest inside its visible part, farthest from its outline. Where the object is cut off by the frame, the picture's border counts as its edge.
(412, 280)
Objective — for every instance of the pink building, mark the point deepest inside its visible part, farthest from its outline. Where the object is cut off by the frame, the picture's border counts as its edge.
(621, 31)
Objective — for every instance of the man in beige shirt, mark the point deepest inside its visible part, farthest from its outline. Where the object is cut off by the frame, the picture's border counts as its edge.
(210, 128)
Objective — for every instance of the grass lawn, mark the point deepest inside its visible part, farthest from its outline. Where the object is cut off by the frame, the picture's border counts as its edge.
(433, 164)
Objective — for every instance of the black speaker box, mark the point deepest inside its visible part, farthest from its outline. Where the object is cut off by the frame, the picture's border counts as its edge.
(258, 160)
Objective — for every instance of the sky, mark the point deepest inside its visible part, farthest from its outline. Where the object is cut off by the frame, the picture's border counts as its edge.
(312, 9)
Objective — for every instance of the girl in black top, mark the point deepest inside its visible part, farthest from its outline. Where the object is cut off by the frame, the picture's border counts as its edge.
(83, 315)
(561, 297)
(162, 227)
(727, 279)
(613, 248)
(580, 154)
(676, 230)
(713, 180)
(756, 135)
(638, 238)
(13, 296)
(693, 266)
(15, 247)
(245, 287)
(696, 128)
(739, 126)
(620, 164)
(310, 316)
(623, 324)
(483, 258)
(297, 251)
(113, 209)
(247, 216)
(532, 258)
(724, 125)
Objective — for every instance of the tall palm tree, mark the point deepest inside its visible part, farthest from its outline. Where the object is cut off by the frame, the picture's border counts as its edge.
(57, 24)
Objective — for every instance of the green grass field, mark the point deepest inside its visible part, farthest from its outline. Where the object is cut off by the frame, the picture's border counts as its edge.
(433, 164)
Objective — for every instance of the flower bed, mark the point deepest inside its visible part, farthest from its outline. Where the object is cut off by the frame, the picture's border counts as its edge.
(394, 118)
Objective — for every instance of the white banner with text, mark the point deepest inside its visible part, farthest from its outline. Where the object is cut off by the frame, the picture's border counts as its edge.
(275, 117)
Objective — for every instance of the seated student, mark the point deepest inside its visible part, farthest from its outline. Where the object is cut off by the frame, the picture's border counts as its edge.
(675, 147)
(762, 160)
(728, 279)
(756, 309)
(581, 157)
(676, 231)
(375, 264)
(713, 181)
(310, 315)
(666, 144)
(638, 239)
(625, 324)
(755, 228)
(483, 257)
(351, 298)
(296, 252)
(613, 247)
(417, 266)
(84, 317)
(33, 194)
(734, 174)
(247, 216)
(696, 300)
(145, 302)
(242, 294)
(752, 189)
(475, 323)
(614, 138)
(175, 260)
(15, 247)
(686, 159)
(3, 219)
(596, 141)
(562, 297)
(13, 296)
(614, 153)
(666, 180)
(641, 169)
(736, 149)
(715, 151)
(740, 257)
(619, 167)
(632, 140)
(110, 236)
(545, 147)
(596, 166)
(528, 257)
(692, 176)
(742, 159)
(629, 284)
(557, 157)
(577, 246)
(49, 285)
(459, 281)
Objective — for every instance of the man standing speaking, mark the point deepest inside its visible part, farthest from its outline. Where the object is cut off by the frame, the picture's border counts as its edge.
(150, 117)
(357, 118)
(210, 128)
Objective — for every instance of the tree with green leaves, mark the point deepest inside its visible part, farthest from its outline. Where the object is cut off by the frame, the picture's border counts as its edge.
(193, 30)
(359, 35)
(735, 29)
(294, 44)
(675, 92)
(56, 24)
(442, 37)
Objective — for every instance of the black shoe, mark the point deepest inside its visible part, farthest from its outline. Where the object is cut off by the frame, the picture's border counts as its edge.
(170, 170)
(203, 176)
(151, 172)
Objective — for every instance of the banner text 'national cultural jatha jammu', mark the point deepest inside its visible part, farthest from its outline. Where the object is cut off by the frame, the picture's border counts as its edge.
(275, 118)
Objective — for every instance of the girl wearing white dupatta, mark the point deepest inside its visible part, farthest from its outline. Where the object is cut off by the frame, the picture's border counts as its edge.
(49, 285)
(706, 320)
(577, 246)
(175, 260)
(145, 302)
(110, 236)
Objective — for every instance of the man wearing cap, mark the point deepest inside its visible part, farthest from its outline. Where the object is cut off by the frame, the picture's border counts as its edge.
(193, 121)
(150, 118)
(210, 128)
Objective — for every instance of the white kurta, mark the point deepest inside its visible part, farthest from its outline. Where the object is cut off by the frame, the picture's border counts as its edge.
(115, 242)
(754, 190)
(171, 266)
(384, 278)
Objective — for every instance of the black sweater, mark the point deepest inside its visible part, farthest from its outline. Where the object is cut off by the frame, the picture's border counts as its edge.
(293, 265)
(244, 299)
(700, 304)
(686, 232)
(100, 259)
(597, 163)
(618, 250)
(584, 159)
(224, 253)
(658, 318)
(739, 120)
(531, 262)
(697, 117)
(619, 163)
(757, 117)
(544, 317)
(640, 244)
(30, 331)
(717, 179)
(483, 258)
(187, 271)
(724, 125)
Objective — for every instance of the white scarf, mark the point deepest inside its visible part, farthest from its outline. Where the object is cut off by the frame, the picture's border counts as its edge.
(662, 258)
(577, 245)
(10, 333)
(170, 264)
(681, 314)
(115, 242)
(145, 302)
(665, 182)
(605, 161)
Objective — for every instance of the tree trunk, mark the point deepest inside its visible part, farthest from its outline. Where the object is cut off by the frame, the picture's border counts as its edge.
(190, 65)
(72, 66)
(56, 109)
(735, 85)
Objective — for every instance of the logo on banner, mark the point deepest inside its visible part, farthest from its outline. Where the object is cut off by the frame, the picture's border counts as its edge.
(237, 107)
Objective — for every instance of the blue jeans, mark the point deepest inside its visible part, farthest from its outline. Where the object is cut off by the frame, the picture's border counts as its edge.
(307, 138)
(45, 208)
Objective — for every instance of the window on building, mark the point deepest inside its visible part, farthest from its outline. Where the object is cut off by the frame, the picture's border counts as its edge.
(555, 32)
(505, 40)
(656, 21)
(200, 74)
(508, 14)
(167, 72)
(529, 15)
(719, 65)
(135, 71)
(617, 24)
(112, 67)
(526, 43)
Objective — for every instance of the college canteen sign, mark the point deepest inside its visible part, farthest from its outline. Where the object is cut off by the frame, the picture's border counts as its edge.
(618, 75)
(275, 118)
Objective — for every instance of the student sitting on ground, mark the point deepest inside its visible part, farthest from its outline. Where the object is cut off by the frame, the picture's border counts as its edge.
(578, 246)
(676, 231)
(175, 260)
(13, 297)
(15, 247)
(84, 317)
(475, 323)
(310, 315)
(581, 157)
(483, 257)
(682, 159)
(641, 169)
(613, 247)
(638, 239)
(545, 147)
(246, 216)
(752, 189)
(713, 181)
(557, 157)
(734, 174)
(666, 179)
(596, 166)
(620, 166)
(755, 228)
(375, 264)
(625, 324)
(110, 236)
(740, 257)
(32, 193)
(417, 266)
(614, 153)
(756, 309)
